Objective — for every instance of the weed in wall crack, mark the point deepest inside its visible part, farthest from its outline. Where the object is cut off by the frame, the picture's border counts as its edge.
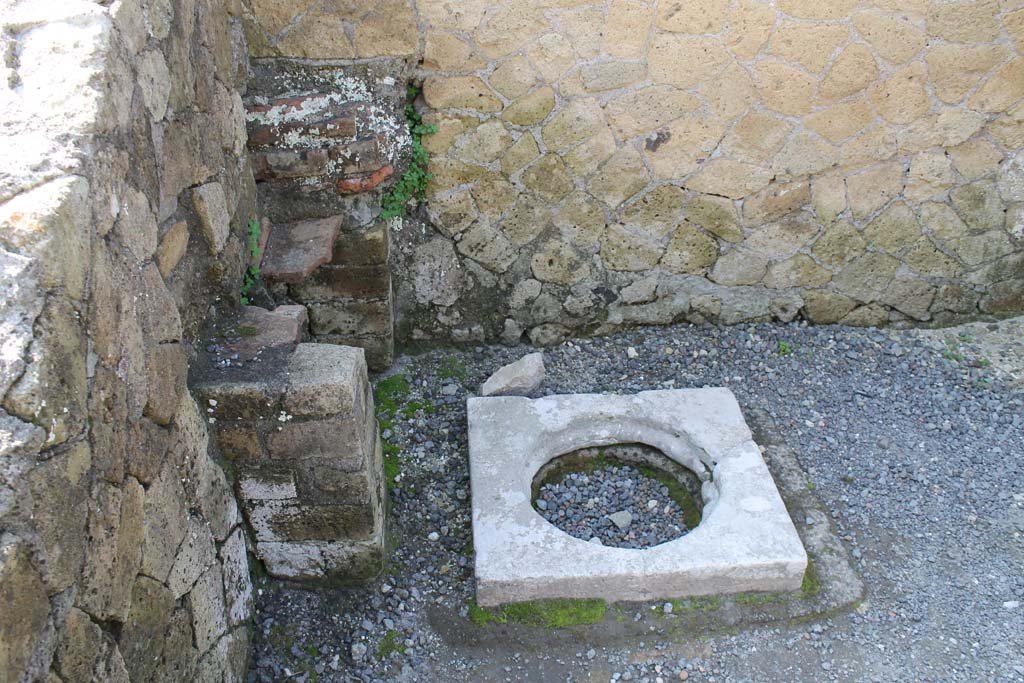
(252, 273)
(413, 183)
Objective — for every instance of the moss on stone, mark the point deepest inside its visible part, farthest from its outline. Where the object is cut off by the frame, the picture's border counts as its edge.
(811, 585)
(560, 613)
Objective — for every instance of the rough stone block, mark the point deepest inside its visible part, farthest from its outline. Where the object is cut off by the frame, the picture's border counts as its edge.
(214, 217)
(746, 541)
(295, 250)
(351, 319)
(338, 439)
(267, 482)
(238, 593)
(206, 601)
(325, 380)
(516, 379)
(345, 282)
(25, 609)
(291, 521)
(258, 329)
(369, 247)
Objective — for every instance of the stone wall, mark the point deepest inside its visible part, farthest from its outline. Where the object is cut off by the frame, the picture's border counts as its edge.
(124, 194)
(609, 163)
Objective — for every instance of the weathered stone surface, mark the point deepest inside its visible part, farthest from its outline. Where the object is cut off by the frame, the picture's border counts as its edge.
(167, 370)
(841, 242)
(756, 137)
(690, 250)
(826, 307)
(559, 263)
(500, 463)
(621, 177)
(867, 276)
(25, 609)
(206, 601)
(727, 178)
(717, 215)
(796, 271)
(548, 178)
(238, 592)
(214, 216)
(738, 267)
(895, 228)
(295, 250)
(870, 190)
(172, 248)
(624, 250)
(783, 238)
(520, 378)
(61, 521)
(462, 92)
(852, 72)
(114, 555)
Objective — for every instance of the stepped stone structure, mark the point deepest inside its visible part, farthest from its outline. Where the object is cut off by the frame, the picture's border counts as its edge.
(299, 432)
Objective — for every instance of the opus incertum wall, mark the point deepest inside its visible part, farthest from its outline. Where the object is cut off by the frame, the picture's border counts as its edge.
(124, 194)
(600, 164)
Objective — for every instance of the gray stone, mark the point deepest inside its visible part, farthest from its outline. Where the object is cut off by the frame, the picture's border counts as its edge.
(621, 519)
(238, 594)
(520, 378)
(745, 542)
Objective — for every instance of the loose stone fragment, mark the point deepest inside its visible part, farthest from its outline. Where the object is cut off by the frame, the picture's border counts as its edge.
(516, 379)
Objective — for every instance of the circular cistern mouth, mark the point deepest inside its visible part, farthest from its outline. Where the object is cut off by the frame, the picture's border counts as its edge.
(627, 495)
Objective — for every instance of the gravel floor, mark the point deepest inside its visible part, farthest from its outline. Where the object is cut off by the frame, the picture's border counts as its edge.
(917, 454)
(614, 506)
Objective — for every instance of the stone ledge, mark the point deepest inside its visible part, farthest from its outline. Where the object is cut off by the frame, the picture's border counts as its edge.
(295, 250)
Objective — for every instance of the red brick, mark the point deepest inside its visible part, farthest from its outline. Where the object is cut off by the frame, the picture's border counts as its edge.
(365, 183)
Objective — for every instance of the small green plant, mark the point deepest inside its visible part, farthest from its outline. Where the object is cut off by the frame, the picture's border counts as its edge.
(391, 467)
(413, 183)
(452, 368)
(252, 273)
(784, 348)
(952, 353)
(391, 643)
(810, 485)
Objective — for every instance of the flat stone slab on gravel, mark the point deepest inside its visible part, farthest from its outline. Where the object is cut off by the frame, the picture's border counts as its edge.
(520, 378)
(745, 542)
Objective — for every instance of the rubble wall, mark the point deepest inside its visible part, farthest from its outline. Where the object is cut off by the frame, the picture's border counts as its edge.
(125, 191)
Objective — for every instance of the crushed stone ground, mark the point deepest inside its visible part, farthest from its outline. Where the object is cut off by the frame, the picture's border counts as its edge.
(916, 452)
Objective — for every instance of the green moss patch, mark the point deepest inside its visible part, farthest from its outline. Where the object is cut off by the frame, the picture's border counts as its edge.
(811, 585)
(560, 613)
(391, 643)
